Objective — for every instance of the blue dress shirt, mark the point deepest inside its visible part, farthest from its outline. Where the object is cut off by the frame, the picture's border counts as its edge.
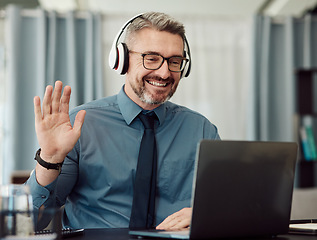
(96, 182)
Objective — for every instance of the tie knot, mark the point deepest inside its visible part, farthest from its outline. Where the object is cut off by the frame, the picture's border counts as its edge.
(147, 120)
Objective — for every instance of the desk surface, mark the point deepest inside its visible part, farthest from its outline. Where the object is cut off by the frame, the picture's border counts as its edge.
(123, 234)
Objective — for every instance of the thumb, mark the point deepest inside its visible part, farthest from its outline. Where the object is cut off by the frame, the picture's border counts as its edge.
(79, 121)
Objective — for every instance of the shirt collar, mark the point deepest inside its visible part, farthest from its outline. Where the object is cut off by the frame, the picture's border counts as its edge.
(130, 110)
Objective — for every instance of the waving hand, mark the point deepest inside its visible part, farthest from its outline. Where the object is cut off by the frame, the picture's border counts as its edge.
(55, 134)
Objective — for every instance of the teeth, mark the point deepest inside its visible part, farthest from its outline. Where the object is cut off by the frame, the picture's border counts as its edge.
(158, 84)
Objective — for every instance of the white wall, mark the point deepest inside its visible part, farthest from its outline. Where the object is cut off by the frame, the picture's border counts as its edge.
(178, 7)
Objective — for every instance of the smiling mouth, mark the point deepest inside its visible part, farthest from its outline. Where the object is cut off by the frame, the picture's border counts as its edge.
(157, 84)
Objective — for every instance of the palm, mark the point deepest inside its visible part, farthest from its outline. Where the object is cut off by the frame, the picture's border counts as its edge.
(56, 130)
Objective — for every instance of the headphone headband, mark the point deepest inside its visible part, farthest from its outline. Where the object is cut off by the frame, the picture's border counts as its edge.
(119, 53)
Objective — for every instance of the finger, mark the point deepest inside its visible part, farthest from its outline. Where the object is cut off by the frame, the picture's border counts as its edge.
(174, 223)
(180, 219)
(166, 223)
(169, 221)
(179, 224)
(65, 100)
(79, 121)
(56, 98)
(37, 109)
(47, 101)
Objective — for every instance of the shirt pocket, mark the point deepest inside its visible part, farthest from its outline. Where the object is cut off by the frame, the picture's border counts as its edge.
(176, 179)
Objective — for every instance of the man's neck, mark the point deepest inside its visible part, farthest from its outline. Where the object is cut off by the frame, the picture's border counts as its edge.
(139, 102)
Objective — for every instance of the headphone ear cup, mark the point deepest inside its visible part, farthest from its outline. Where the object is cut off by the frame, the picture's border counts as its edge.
(122, 59)
(186, 70)
(113, 58)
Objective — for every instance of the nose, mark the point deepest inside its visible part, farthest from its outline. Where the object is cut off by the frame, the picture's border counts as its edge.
(163, 71)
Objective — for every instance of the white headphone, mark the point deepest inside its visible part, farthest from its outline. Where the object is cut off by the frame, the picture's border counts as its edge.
(119, 53)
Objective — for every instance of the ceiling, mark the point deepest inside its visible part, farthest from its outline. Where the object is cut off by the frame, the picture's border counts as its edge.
(198, 7)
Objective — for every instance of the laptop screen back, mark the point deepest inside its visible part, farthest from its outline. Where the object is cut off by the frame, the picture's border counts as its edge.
(243, 188)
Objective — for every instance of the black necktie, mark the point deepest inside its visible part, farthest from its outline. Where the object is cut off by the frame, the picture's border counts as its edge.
(143, 206)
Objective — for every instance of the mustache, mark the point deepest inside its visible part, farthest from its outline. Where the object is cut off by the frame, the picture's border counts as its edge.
(158, 78)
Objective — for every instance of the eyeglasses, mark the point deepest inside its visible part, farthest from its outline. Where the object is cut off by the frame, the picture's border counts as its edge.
(153, 61)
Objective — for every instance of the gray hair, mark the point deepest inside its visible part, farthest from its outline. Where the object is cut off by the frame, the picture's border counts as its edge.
(155, 20)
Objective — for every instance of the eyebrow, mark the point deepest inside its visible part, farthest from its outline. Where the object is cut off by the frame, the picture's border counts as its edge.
(157, 53)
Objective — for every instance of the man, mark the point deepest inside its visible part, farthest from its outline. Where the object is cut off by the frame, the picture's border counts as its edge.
(98, 143)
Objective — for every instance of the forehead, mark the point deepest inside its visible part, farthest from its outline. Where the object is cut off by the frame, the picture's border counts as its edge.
(151, 40)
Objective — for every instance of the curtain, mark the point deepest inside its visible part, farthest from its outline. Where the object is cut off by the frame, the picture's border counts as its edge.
(219, 85)
(42, 47)
(280, 47)
(2, 90)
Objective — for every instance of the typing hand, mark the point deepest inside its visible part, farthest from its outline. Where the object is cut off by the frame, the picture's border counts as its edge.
(54, 131)
(178, 220)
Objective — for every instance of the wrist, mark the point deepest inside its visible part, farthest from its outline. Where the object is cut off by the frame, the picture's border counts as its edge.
(43, 176)
(46, 164)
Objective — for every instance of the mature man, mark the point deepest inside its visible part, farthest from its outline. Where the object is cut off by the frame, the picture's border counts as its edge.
(99, 182)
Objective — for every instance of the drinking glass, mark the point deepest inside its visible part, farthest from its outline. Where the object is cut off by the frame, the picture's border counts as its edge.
(16, 211)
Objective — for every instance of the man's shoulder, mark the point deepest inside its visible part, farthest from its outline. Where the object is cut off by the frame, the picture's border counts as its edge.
(102, 104)
(185, 116)
(176, 109)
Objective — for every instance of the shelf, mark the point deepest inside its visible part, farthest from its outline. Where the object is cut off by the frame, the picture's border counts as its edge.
(306, 106)
(306, 174)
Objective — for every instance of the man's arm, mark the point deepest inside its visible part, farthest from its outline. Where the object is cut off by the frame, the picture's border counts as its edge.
(55, 134)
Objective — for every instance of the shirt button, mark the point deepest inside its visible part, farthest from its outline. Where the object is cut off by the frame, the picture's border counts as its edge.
(43, 196)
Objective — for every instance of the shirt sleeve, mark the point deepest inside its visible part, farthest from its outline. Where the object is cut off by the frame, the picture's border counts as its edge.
(210, 131)
(42, 195)
(54, 194)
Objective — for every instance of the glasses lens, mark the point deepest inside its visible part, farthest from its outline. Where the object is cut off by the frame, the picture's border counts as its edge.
(176, 64)
(152, 61)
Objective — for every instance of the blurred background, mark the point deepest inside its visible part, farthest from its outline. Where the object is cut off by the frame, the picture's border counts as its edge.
(248, 61)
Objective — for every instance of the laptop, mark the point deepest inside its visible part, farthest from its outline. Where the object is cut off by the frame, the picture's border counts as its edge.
(240, 189)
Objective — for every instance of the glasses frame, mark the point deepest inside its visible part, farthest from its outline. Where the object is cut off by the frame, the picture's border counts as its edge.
(164, 58)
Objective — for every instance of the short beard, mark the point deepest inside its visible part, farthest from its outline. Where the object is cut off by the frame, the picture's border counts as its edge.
(145, 97)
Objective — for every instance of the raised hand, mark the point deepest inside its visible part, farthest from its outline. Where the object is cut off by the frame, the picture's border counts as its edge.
(55, 134)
